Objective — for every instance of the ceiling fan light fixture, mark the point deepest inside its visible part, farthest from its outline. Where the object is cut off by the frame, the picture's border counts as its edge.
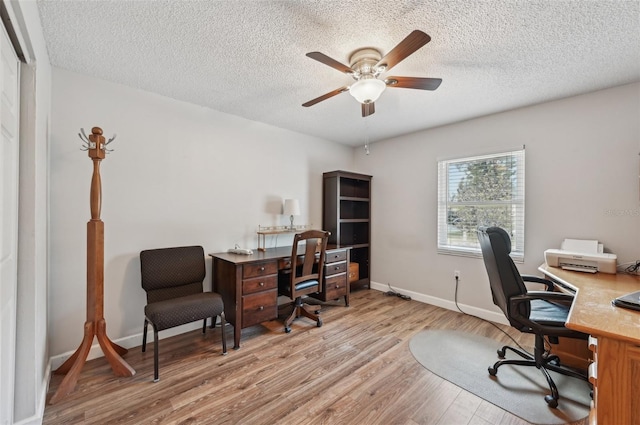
(367, 90)
(367, 64)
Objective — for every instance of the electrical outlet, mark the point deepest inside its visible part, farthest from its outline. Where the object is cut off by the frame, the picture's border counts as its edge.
(456, 274)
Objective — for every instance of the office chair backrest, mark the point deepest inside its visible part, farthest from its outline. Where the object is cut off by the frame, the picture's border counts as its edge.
(315, 242)
(504, 277)
(169, 273)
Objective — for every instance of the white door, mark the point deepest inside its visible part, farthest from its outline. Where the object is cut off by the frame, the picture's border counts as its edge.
(9, 124)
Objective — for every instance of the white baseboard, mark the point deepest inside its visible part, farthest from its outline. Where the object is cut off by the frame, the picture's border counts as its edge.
(127, 342)
(136, 339)
(492, 316)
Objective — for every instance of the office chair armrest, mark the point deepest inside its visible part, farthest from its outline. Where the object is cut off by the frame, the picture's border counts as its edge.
(536, 279)
(557, 297)
(514, 303)
(548, 296)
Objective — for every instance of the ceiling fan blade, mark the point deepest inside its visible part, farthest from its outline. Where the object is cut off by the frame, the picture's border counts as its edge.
(368, 109)
(406, 47)
(325, 96)
(413, 82)
(321, 57)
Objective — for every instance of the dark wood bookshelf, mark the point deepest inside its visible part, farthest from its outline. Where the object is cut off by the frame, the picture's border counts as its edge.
(346, 206)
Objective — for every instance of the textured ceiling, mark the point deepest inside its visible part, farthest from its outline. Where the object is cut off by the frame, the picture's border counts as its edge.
(247, 58)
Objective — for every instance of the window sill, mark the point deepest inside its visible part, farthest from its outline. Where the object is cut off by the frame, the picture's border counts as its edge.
(474, 253)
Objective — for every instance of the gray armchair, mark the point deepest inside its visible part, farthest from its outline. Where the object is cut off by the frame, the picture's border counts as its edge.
(172, 279)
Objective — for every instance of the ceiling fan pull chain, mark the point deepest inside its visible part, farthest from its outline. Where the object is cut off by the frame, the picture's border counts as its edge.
(366, 137)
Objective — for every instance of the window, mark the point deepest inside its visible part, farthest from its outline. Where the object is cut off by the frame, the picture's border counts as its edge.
(479, 191)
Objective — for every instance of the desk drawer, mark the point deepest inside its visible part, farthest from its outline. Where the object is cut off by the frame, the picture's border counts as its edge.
(335, 256)
(257, 284)
(260, 307)
(284, 263)
(335, 286)
(331, 269)
(259, 269)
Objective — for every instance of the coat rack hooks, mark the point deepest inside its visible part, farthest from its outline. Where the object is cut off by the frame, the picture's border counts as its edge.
(88, 144)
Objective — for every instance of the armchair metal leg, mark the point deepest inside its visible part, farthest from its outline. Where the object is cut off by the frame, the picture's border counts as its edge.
(144, 335)
(156, 375)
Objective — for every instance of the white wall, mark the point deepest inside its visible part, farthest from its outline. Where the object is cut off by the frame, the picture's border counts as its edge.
(180, 175)
(582, 170)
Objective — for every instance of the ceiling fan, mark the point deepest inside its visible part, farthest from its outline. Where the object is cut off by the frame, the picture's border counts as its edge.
(366, 65)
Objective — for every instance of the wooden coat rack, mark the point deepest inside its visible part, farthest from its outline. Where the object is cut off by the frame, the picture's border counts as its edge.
(95, 325)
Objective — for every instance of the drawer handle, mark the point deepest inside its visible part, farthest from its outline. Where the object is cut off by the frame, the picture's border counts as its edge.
(261, 308)
(336, 268)
(261, 284)
(337, 286)
(261, 269)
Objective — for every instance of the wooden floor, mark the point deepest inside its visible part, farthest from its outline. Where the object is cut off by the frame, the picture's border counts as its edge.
(355, 369)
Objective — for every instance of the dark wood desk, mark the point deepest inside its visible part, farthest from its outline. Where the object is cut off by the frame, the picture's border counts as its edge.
(615, 342)
(249, 283)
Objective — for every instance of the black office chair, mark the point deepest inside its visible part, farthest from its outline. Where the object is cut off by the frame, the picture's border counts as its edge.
(542, 313)
(305, 275)
(172, 279)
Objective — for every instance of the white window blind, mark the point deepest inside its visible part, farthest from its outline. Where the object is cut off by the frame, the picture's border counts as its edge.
(479, 191)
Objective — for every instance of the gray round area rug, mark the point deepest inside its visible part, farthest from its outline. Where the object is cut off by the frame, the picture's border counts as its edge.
(463, 358)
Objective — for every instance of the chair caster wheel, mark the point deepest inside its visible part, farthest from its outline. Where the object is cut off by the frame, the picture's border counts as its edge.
(319, 322)
(501, 353)
(287, 329)
(317, 312)
(493, 371)
(552, 402)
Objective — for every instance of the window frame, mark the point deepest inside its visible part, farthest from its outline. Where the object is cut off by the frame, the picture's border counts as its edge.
(444, 243)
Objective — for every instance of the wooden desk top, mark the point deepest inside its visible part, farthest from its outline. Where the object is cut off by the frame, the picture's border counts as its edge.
(268, 254)
(592, 311)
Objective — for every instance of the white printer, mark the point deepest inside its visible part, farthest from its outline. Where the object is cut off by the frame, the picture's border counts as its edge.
(581, 255)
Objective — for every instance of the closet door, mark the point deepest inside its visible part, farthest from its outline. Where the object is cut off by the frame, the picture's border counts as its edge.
(9, 124)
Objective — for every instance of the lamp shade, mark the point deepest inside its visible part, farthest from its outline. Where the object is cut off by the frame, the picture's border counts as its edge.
(291, 207)
(367, 90)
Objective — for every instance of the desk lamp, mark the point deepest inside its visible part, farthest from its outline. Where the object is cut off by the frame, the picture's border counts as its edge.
(291, 208)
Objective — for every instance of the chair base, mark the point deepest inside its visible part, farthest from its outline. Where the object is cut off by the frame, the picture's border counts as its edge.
(541, 362)
(320, 303)
(298, 311)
